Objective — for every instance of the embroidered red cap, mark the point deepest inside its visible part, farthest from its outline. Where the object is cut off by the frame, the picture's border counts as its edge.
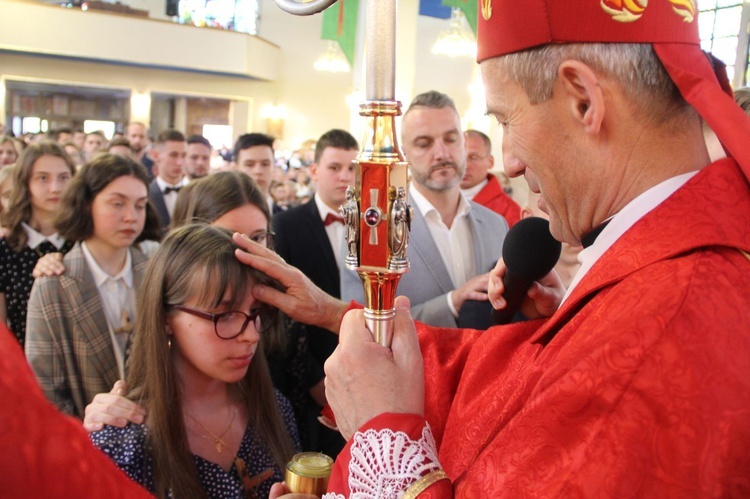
(671, 26)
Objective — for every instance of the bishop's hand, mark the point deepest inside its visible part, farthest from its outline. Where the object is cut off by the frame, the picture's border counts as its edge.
(365, 379)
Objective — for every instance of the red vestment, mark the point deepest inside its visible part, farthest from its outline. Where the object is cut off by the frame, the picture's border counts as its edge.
(42, 452)
(638, 386)
(494, 197)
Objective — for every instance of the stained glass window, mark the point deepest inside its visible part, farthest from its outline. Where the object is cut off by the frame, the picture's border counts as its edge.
(236, 15)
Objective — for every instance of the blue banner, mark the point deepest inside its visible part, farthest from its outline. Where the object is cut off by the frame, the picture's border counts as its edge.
(434, 8)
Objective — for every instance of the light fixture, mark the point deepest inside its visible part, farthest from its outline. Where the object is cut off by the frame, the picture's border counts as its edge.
(333, 60)
(275, 115)
(275, 111)
(140, 106)
(457, 40)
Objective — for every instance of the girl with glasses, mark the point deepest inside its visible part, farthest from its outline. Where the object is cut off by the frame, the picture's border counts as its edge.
(234, 202)
(80, 324)
(215, 426)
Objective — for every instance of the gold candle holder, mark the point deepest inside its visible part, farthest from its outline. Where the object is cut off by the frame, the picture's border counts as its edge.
(308, 473)
(378, 218)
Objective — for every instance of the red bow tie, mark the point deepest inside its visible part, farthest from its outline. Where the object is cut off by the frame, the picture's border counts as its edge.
(332, 219)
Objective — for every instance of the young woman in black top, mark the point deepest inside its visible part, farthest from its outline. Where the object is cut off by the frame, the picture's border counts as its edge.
(40, 175)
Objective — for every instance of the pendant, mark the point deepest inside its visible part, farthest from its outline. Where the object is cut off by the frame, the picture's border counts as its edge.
(219, 447)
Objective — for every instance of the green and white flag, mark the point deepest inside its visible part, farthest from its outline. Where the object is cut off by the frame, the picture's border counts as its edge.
(340, 24)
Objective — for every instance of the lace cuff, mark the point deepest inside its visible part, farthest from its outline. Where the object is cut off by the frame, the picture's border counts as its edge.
(385, 463)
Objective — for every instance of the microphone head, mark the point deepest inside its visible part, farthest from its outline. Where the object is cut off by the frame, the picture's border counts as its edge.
(529, 250)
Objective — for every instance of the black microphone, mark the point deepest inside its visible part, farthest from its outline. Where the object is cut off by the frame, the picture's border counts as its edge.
(529, 253)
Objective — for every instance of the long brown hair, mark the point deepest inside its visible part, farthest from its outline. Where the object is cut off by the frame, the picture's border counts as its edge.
(205, 200)
(19, 207)
(193, 261)
(211, 197)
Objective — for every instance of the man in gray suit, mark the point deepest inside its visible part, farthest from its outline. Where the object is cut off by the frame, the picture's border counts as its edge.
(454, 242)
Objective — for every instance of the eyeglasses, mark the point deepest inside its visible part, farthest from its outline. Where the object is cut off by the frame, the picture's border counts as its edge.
(264, 237)
(227, 325)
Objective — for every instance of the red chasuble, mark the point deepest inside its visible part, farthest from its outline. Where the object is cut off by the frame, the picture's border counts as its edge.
(42, 452)
(639, 386)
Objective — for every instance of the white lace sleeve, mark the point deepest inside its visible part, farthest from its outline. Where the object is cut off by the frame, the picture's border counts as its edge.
(385, 463)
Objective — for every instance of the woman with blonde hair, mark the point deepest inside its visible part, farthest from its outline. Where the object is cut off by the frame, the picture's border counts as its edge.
(215, 426)
(41, 173)
(8, 152)
(6, 186)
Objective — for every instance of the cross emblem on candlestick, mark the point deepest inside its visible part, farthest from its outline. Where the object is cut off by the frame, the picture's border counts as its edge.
(373, 216)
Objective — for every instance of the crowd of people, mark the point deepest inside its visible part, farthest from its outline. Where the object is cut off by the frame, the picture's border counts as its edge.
(87, 233)
(195, 319)
(290, 183)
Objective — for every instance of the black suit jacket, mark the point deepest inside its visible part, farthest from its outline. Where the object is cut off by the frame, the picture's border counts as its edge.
(302, 241)
(157, 199)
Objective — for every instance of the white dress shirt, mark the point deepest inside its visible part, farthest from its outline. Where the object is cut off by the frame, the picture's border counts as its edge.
(624, 220)
(171, 198)
(35, 238)
(336, 232)
(117, 295)
(455, 244)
